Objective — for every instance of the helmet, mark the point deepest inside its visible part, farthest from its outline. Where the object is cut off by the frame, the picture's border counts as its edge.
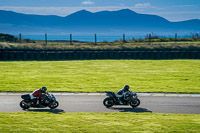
(44, 89)
(126, 88)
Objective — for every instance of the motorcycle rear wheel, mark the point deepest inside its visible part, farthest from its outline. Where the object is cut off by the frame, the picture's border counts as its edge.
(134, 103)
(108, 102)
(23, 104)
(54, 105)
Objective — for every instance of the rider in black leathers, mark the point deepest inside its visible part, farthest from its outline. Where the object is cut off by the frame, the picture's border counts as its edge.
(121, 93)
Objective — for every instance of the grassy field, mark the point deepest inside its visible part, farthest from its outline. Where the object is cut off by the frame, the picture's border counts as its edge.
(118, 45)
(178, 76)
(98, 122)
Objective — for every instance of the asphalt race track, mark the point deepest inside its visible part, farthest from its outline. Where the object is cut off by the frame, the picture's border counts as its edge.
(94, 103)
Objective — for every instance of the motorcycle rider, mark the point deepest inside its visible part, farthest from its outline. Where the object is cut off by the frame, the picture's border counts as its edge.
(121, 93)
(37, 94)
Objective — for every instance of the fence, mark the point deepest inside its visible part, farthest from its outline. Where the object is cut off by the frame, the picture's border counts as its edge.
(6, 55)
(98, 38)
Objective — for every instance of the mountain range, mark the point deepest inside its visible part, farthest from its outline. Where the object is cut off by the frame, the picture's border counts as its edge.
(84, 22)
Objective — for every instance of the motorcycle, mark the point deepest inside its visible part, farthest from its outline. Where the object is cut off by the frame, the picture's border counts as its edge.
(129, 98)
(48, 100)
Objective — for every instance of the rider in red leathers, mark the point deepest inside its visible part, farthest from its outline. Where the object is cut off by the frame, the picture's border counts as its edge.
(37, 94)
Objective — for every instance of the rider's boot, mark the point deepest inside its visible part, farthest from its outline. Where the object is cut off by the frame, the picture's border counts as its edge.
(120, 101)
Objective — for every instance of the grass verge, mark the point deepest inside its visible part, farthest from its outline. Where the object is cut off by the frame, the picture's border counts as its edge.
(98, 122)
(177, 76)
(118, 45)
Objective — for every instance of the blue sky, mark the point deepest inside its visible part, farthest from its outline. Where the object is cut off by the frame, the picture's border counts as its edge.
(173, 10)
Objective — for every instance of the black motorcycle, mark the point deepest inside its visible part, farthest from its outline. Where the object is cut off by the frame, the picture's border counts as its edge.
(129, 98)
(48, 100)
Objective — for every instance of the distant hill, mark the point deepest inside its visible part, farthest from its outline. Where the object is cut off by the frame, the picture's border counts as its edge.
(85, 22)
(11, 38)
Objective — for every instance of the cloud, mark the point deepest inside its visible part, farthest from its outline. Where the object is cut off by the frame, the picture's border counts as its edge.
(87, 2)
(143, 5)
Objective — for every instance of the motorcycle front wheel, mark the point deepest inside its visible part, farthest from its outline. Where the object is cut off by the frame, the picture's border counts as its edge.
(108, 102)
(24, 104)
(134, 103)
(54, 105)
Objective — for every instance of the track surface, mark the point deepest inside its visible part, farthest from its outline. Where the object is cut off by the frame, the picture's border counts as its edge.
(93, 103)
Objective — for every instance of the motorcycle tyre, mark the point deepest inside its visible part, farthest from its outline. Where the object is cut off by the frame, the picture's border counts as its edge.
(57, 104)
(108, 99)
(23, 107)
(135, 105)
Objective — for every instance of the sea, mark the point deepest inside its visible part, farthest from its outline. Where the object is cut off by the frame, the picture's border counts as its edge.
(91, 38)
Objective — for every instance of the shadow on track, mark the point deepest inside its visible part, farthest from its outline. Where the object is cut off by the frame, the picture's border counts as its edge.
(55, 111)
(136, 110)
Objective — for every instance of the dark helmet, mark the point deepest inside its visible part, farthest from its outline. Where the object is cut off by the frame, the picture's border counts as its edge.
(44, 89)
(126, 88)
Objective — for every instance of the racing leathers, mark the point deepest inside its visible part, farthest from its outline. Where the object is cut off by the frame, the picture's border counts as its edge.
(120, 95)
(36, 94)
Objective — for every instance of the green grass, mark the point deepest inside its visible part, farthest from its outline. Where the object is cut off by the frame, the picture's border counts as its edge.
(98, 122)
(178, 76)
(118, 45)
